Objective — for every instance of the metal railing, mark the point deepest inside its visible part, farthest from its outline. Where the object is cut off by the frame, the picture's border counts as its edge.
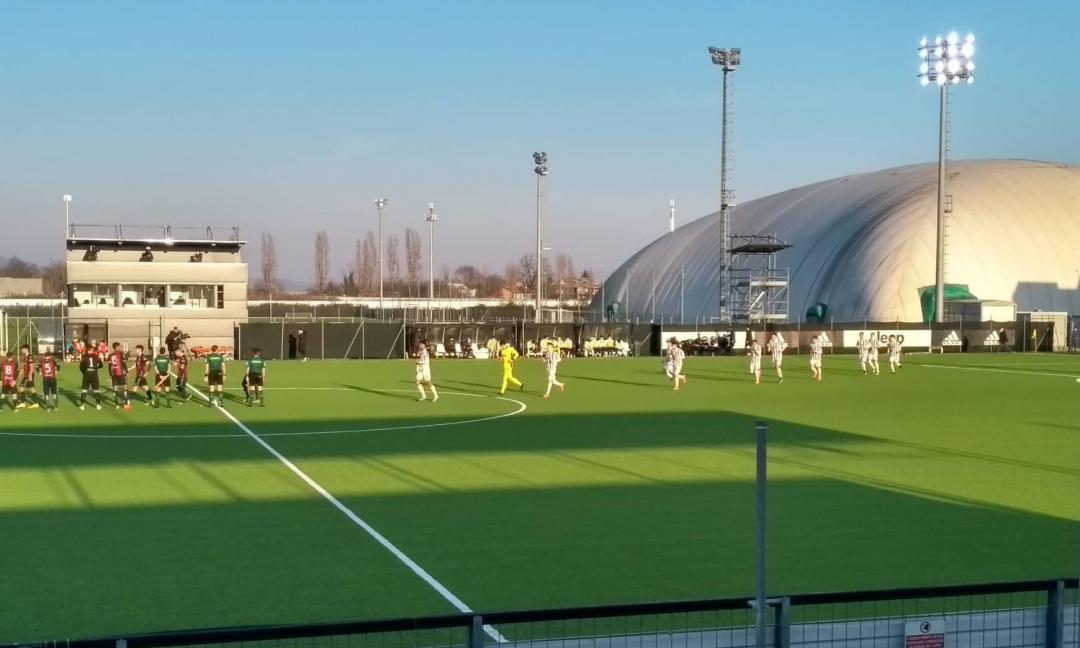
(1033, 614)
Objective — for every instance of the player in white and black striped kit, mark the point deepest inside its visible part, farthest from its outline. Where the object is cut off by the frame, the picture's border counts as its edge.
(895, 348)
(676, 356)
(776, 347)
(863, 346)
(423, 372)
(815, 358)
(754, 352)
(872, 352)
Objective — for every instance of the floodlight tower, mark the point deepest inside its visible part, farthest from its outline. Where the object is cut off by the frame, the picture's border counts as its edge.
(728, 60)
(67, 216)
(541, 170)
(431, 217)
(945, 62)
(380, 203)
(671, 221)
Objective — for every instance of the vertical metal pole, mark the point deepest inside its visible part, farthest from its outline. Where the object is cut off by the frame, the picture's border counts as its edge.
(380, 262)
(725, 216)
(653, 317)
(762, 429)
(539, 278)
(939, 272)
(682, 293)
(431, 266)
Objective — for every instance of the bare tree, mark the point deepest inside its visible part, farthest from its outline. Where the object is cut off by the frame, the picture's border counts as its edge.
(393, 260)
(54, 278)
(527, 270)
(369, 269)
(512, 277)
(269, 263)
(413, 253)
(357, 275)
(322, 261)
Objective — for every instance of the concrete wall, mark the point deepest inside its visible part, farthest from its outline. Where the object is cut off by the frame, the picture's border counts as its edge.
(12, 287)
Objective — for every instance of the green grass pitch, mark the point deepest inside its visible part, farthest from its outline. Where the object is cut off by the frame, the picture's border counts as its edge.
(955, 470)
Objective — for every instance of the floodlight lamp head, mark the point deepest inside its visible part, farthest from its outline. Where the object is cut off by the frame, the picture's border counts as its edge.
(381, 202)
(540, 158)
(67, 197)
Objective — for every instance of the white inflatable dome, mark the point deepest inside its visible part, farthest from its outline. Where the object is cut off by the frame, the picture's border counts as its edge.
(863, 244)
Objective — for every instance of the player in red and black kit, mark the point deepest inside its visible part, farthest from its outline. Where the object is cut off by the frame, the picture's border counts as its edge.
(27, 391)
(182, 375)
(89, 366)
(48, 368)
(9, 379)
(140, 366)
(118, 371)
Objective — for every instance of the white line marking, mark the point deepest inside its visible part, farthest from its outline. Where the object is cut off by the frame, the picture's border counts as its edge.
(358, 521)
(521, 408)
(991, 370)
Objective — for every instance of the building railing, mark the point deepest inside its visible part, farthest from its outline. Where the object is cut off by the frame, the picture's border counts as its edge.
(1032, 614)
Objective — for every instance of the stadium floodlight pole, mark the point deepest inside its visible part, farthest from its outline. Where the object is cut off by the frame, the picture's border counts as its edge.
(431, 217)
(671, 222)
(728, 60)
(67, 216)
(945, 62)
(379, 204)
(541, 170)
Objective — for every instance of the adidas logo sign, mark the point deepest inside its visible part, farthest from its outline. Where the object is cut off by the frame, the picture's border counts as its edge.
(824, 339)
(992, 340)
(952, 339)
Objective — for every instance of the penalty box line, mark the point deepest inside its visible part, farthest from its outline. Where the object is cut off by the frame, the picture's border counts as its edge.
(360, 522)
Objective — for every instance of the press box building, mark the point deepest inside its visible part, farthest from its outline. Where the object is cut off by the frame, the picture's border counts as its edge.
(133, 285)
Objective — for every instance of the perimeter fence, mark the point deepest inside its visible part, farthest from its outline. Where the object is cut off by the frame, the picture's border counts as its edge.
(1035, 614)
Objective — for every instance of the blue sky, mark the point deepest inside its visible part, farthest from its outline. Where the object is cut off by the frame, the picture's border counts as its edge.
(288, 117)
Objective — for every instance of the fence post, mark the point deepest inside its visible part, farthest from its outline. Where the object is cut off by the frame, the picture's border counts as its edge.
(1055, 615)
(476, 632)
(782, 638)
(760, 611)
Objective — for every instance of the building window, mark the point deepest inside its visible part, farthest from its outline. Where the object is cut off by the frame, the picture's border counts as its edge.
(220, 302)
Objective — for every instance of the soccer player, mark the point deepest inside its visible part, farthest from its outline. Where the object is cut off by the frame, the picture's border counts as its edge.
(754, 352)
(48, 367)
(894, 352)
(27, 391)
(677, 356)
(776, 347)
(163, 378)
(214, 375)
(90, 365)
(102, 350)
(255, 373)
(9, 379)
(863, 345)
(423, 372)
(508, 355)
(872, 355)
(815, 358)
(181, 364)
(140, 366)
(552, 358)
(118, 371)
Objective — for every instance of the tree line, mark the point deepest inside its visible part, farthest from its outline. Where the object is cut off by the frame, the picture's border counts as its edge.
(53, 275)
(405, 274)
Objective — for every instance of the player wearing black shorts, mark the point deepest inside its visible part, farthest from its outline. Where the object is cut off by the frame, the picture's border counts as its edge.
(27, 391)
(214, 375)
(140, 365)
(9, 379)
(90, 366)
(118, 371)
(163, 379)
(48, 368)
(182, 375)
(255, 373)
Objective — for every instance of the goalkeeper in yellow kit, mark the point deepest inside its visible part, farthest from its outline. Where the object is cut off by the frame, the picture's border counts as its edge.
(509, 355)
